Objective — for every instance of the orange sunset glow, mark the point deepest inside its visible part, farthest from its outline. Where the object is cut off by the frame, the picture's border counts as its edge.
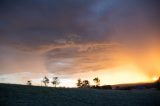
(117, 41)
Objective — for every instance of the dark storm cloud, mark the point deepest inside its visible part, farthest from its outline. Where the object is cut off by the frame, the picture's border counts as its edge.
(41, 22)
(37, 22)
(74, 32)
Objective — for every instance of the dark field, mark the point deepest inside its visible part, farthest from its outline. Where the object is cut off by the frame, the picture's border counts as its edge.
(19, 95)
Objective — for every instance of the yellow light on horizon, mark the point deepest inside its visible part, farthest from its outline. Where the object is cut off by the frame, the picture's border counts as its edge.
(155, 78)
(123, 74)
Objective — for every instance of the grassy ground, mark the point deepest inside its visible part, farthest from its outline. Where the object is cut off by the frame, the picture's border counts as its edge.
(19, 95)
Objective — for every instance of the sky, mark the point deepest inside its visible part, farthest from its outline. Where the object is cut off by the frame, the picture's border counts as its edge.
(115, 40)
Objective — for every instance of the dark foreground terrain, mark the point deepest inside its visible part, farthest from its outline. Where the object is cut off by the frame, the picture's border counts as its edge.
(19, 95)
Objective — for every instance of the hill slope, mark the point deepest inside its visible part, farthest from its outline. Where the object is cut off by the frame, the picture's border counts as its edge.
(20, 95)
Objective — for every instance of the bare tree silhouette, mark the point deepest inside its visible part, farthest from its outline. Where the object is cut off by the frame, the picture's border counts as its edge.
(158, 84)
(85, 84)
(79, 83)
(45, 81)
(29, 83)
(96, 81)
(55, 81)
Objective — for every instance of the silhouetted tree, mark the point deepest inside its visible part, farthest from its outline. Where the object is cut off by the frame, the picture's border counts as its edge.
(158, 84)
(45, 81)
(29, 83)
(85, 84)
(55, 81)
(79, 83)
(96, 81)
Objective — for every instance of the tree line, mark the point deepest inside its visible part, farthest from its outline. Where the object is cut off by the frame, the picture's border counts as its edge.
(55, 81)
(84, 83)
